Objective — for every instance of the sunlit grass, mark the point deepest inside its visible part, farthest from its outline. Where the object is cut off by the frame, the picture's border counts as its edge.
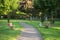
(52, 33)
(6, 33)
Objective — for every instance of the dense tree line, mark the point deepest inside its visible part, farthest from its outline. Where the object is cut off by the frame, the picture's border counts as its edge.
(49, 8)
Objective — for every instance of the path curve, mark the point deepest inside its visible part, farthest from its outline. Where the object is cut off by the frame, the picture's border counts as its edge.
(29, 33)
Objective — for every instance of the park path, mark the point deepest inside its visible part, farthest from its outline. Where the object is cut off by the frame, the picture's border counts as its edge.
(29, 33)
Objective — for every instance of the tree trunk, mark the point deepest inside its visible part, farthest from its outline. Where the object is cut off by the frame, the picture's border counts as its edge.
(8, 20)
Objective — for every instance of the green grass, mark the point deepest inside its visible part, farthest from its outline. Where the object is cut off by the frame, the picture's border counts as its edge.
(52, 33)
(6, 33)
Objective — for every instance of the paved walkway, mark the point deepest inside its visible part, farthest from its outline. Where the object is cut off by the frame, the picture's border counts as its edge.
(29, 33)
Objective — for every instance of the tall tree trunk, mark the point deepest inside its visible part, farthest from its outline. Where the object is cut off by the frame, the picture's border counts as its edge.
(8, 18)
(10, 25)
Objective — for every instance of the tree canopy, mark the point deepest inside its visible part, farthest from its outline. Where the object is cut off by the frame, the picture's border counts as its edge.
(8, 5)
(49, 7)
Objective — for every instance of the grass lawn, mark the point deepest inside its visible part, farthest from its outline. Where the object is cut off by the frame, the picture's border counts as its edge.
(6, 33)
(52, 33)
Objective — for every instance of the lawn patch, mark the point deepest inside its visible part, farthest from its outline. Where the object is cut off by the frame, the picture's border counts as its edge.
(52, 33)
(6, 33)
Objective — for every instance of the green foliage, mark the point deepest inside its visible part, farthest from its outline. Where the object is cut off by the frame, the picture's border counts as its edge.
(47, 7)
(7, 6)
(18, 12)
(44, 4)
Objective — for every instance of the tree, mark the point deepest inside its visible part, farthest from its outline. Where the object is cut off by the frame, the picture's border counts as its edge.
(27, 6)
(47, 7)
(7, 6)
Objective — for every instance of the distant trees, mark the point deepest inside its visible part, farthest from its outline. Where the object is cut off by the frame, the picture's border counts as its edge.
(47, 7)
